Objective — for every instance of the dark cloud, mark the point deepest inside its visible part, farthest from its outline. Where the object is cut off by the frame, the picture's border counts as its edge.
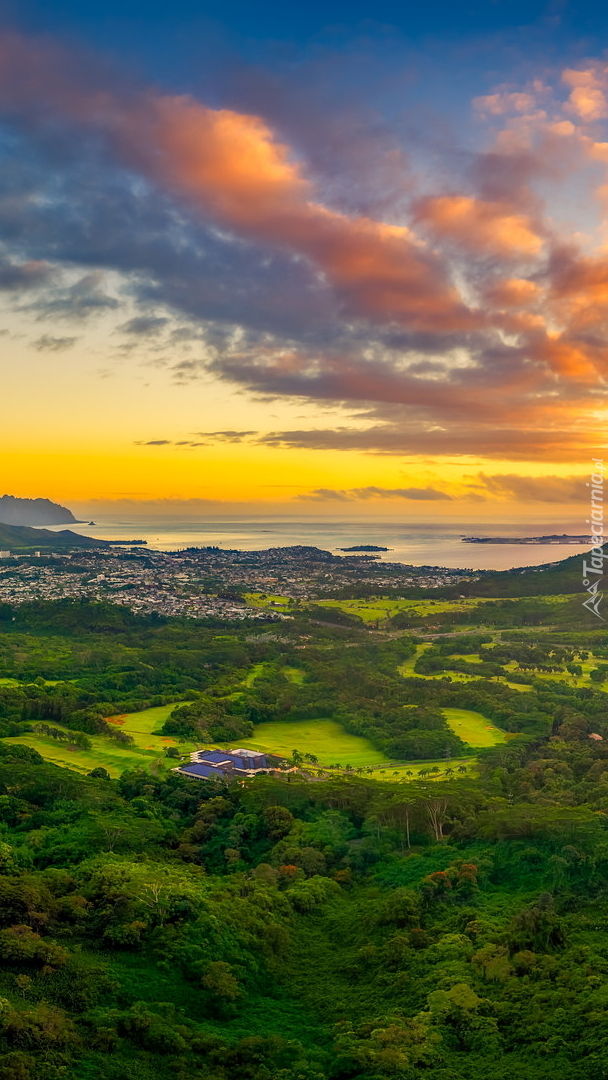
(205, 437)
(48, 343)
(17, 277)
(546, 489)
(76, 302)
(426, 494)
(144, 325)
(470, 440)
(226, 436)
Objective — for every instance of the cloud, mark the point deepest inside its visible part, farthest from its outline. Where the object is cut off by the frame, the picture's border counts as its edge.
(231, 167)
(76, 302)
(205, 437)
(426, 494)
(505, 102)
(465, 439)
(510, 487)
(16, 277)
(457, 322)
(48, 343)
(226, 436)
(544, 489)
(481, 225)
(144, 325)
(587, 98)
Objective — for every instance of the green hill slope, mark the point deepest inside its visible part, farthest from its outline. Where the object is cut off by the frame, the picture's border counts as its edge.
(23, 538)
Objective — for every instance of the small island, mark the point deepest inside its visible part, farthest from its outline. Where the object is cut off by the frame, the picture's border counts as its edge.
(128, 542)
(562, 538)
(364, 547)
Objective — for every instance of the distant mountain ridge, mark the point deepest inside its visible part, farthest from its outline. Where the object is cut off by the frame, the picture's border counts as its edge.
(16, 511)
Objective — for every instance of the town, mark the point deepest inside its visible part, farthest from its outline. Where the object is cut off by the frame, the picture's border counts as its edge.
(200, 583)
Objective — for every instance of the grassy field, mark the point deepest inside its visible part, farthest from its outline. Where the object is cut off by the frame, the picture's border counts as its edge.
(147, 749)
(407, 670)
(294, 674)
(473, 728)
(326, 739)
(379, 610)
(253, 674)
(103, 753)
(145, 727)
(411, 770)
(264, 600)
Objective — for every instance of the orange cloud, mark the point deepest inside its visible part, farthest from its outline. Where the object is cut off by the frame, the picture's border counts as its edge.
(231, 166)
(587, 98)
(504, 102)
(479, 225)
(513, 292)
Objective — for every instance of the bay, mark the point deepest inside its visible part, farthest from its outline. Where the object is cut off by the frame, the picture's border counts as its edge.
(415, 544)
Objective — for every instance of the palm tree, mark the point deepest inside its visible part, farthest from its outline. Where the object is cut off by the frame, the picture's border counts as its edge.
(409, 772)
(462, 768)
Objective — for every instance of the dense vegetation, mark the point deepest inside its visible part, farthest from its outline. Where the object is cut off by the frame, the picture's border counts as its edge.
(160, 926)
(295, 929)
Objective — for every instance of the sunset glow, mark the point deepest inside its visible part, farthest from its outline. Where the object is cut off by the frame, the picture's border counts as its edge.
(282, 306)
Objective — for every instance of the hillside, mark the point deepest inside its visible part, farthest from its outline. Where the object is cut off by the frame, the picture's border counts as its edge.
(16, 511)
(23, 538)
(565, 576)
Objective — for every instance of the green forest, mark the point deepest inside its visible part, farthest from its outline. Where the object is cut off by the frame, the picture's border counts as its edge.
(445, 918)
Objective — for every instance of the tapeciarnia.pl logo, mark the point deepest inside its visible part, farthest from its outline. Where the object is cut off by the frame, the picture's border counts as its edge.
(593, 572)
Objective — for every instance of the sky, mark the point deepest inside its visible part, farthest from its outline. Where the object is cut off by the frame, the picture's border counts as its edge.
(330, 259)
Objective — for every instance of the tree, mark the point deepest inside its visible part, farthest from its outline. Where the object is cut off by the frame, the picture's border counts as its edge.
(99, 774)
(436, 815)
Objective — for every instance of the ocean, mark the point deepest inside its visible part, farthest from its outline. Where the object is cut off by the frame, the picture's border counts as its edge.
(419, 545)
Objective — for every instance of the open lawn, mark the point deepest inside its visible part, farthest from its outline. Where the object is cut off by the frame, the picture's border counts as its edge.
(411, 770)
(473, 728)
(379, 610)
(147, 749)
(103, 753)
(266, 600)
(294, 674)
(145, 727)
(407, 670)
(326, 739)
